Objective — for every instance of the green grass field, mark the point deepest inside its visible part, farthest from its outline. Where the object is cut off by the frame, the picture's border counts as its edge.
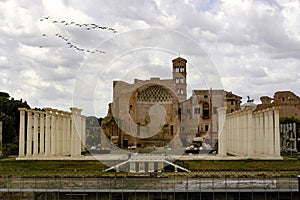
(198, 168)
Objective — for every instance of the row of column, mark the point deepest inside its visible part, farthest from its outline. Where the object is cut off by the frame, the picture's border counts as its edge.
(250, 134)
(288, 138)
(51, 133)
(140, 167)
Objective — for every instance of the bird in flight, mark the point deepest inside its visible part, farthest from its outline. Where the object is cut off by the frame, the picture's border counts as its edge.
(86, 26)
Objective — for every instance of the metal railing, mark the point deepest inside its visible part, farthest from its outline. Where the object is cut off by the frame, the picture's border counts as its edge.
(178, 184)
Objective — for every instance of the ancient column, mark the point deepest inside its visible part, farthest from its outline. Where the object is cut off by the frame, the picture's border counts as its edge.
(59, 132)
(271, 133)
(250, 133)
(22, 132)
(150, 166)
(256, 134)
(83, 132)
(48, 132)
(42, 133)
(294, 136)
(68, 133)
(160, 166)
(231, 133)
(141, 166)
(245, 136)
(132, 167)
(29, 134)
(117, 168)
(53, 133)
(240, 125)
(277, 133)
(261, 139)
(75, 135)
(222, 134)
(266, 132)
(35, 133)
(237, 119)
(64, 133)
(235, 131)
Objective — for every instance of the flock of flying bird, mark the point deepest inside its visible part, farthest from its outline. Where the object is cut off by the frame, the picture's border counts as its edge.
(88, 27)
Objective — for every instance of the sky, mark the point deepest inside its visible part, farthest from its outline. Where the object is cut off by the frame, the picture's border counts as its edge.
(60, 54)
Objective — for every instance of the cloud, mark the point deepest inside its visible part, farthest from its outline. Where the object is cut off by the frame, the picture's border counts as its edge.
(252, 47)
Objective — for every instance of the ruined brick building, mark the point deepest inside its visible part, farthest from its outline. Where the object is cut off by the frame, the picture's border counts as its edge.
(288, 102)
(156, 112)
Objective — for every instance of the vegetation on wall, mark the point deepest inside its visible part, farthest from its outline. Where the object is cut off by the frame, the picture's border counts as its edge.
(292, 119)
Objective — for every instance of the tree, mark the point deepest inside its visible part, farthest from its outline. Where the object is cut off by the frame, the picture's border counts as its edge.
(286, 120)
(9, 115)
(4, 94)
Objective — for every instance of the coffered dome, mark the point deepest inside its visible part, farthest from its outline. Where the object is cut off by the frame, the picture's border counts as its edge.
(154, 93)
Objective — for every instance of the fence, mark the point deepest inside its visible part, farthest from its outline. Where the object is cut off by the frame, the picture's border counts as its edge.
(137, 185)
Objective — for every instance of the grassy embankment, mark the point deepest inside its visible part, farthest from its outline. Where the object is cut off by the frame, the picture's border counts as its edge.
(198, 168)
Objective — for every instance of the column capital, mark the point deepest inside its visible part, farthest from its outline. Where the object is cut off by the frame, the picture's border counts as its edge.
(60, 112)
(54, 112)
(271, 111)
(242, 113)
(76, 110)
(29, 112)
(67, 114)
(222, 109)
(248, 110)
(22, 109)
(35, 111)
(277, 108)
(268, 109)
(47, 110)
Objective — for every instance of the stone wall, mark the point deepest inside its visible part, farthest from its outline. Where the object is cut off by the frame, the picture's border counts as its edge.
(250, 134)
(51, 133)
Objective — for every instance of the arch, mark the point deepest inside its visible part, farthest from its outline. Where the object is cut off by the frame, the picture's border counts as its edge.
(205, 109)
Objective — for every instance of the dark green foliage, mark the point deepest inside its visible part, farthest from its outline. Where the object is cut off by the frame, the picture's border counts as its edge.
(9, 115)
(292, 119)
(9, 132)
(10, 149)
(4, 94)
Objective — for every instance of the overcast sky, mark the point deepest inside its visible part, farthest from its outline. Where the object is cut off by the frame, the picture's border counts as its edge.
(67, 53)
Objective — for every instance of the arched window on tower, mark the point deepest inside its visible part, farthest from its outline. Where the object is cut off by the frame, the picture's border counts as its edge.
(205, 110)
(181, 80)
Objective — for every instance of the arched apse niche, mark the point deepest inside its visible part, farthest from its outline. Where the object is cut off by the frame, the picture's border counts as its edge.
(155, 111)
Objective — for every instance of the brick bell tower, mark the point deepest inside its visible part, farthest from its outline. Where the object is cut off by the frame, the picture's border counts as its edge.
(179, 77)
